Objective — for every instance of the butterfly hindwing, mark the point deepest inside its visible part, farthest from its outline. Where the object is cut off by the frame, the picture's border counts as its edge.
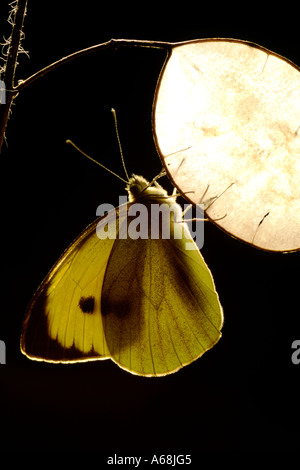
(159, 304)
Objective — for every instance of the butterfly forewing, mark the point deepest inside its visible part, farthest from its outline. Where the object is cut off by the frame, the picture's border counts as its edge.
(64, 321)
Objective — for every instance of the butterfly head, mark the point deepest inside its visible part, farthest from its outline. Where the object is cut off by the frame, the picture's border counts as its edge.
(139, 188)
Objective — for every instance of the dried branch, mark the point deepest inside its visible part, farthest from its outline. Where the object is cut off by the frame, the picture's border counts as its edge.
(17, 17)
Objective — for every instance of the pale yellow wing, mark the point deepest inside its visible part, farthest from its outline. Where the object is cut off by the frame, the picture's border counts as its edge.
(159, 305)
(64, 322)
(148, 304)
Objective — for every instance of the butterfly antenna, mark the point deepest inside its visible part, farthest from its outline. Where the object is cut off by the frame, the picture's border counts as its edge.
(119, 141)
(93, 160)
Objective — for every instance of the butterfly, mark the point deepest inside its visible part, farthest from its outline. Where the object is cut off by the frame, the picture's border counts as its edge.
(148, 303)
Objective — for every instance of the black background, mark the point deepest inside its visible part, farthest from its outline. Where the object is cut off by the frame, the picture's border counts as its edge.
(244, 393)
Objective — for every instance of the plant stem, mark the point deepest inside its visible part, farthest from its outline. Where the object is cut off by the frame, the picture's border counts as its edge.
(11, 64)
(105, 45)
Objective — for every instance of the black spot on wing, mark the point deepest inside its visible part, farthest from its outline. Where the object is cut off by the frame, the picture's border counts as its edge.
(36, 342)
(87, 304)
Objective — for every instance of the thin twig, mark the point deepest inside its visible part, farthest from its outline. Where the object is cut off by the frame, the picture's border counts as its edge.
(105, 45)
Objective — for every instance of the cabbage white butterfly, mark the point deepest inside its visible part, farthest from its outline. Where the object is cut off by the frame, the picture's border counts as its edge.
(149, 304)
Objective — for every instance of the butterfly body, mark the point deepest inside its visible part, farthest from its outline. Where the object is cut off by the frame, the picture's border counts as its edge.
(140, 298)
